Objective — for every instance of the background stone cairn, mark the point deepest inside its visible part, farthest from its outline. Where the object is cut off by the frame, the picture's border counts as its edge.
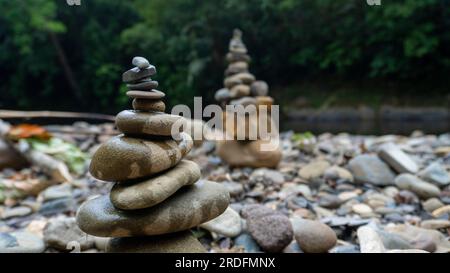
(157, 196)
(241, 88)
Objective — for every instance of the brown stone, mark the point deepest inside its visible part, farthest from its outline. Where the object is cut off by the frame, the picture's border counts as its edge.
(149, 105)
(149, 123)
(150, 192)
(151, 95)
(124, 158)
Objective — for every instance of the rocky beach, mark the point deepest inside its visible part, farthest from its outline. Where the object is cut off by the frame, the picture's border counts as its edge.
(335, 193)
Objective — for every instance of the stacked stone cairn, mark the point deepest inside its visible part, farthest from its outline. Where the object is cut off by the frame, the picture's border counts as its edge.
(241, 88)
(157, 196)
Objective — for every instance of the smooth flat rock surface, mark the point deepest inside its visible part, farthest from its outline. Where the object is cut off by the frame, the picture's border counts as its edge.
(148, 193)
(124, 158)
(189, 207)
(132, 122)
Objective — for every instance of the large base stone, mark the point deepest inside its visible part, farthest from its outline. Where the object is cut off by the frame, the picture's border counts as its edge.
(187, 208)
(181, 242)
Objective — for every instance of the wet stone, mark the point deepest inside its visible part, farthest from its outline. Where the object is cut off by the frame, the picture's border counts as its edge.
(135, 74)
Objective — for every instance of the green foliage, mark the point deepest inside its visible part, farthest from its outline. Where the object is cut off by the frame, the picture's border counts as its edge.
(289, 41)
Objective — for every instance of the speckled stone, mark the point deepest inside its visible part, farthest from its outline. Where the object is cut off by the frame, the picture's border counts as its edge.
(145, 85)
(180, 242)
(150, 95)
(135, 74)
(149, 105)
(124, 158)
(155, 190)
(271, 229)
(153, 123)
(188, 207)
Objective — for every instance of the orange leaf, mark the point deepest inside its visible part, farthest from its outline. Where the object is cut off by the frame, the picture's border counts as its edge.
(28, 131)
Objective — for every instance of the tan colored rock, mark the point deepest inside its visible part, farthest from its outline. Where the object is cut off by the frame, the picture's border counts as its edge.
(438, 212)
(249, 154)
(314, 169)
(151, 123)
(150, 192)
(239, 90)
(313, 236)
(435, 224)
(124, 158)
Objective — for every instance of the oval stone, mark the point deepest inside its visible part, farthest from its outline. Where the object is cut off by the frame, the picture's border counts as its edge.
(135, 74)
(149, 123)
(149, 105)
(151, 95)
(153, 191)
(140, 62)
(187, 208)
(145, 85)
(124, 158)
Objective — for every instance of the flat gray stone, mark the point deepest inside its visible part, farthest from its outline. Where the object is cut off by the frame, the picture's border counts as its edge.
(436, 174)
(135, 74)
(397, 159)
(413, 183)
(370, 169)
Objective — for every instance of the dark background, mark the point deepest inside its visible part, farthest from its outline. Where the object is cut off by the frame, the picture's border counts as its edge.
(313, 53)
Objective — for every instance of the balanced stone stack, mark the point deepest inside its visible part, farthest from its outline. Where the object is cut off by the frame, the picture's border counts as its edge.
(157, 196)
(241, 88)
